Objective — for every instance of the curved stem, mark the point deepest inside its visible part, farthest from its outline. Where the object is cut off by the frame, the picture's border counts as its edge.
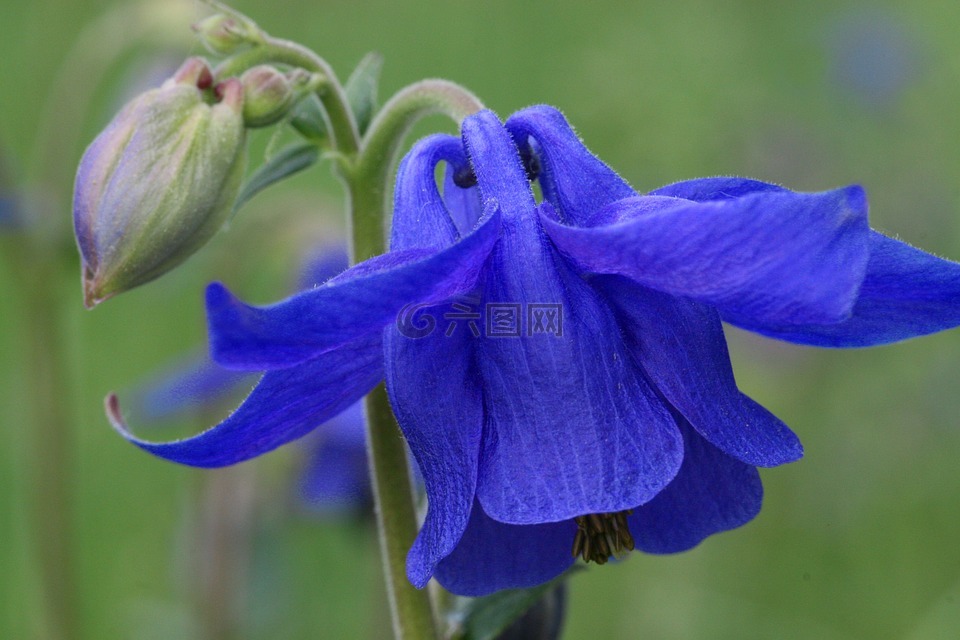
(382, 144)
(416, 101)
(331, 94)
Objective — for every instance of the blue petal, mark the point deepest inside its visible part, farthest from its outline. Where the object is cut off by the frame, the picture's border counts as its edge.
(497, 167)
(571, 425)
(436, 396)
(362, 300)
(285, 405)
(433, 389)
(712, 493)
(336, 477)
(906, 293)
(767, 257)
(720, 188)
(681, 346)
(348, 429)
(573, 180)
(9, 213)
(492, 556)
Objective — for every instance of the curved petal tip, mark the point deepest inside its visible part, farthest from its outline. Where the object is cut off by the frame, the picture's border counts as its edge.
(218, 296)
(111, 406)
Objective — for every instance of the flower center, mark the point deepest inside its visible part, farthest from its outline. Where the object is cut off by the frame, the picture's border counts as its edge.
(601, 535)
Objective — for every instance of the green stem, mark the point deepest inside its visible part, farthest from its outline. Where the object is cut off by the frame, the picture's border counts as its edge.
(331, 94)
(366, 167)
(396, 519)
(368, 181)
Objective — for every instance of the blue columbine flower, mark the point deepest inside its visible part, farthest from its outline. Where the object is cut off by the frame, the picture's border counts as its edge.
(624, 429)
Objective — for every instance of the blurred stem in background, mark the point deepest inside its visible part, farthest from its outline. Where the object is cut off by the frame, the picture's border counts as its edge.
(85, 67)
(42, 256)
(50, 440)
(222, 544)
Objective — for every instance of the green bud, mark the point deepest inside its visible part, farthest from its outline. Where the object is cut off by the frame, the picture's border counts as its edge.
(158, 182)
(226, 33)
(269, 95)
(309, 119)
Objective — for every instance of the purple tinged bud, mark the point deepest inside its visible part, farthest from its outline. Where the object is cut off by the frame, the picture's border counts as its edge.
(194, 72)
(158, 182)
(225, 34)
(269, 95)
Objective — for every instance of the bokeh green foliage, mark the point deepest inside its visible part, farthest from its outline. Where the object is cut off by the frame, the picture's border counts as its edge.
(858, 540)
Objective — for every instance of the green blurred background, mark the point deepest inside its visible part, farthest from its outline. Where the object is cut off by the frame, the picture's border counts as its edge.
(858, 540)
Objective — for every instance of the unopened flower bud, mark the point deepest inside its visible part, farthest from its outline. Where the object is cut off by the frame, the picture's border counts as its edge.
(269, 95)
(158, 182)
(225, 34)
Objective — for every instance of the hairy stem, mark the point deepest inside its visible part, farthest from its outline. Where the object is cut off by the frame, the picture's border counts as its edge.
(382, 144)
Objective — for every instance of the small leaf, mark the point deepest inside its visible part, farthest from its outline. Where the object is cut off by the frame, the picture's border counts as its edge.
(309, 119)
(362, 89)
(488, 618)
(285, 163)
